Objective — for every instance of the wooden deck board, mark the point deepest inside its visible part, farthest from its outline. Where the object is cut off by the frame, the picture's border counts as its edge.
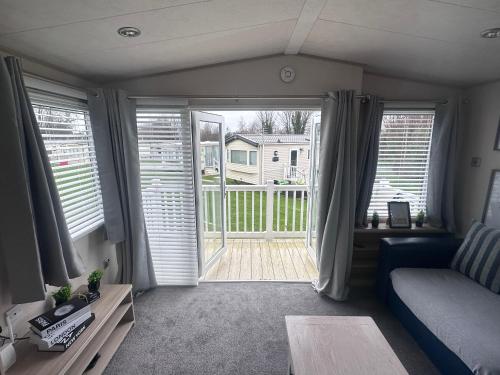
(288, 265)
(256, 260)
(279, 269)
(234, 271)
(246, 260)
(259, 259)
(225, 262)
(267, 265)
(297, 260)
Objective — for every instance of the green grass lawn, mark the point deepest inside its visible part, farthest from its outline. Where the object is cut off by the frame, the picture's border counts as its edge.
(238, 198)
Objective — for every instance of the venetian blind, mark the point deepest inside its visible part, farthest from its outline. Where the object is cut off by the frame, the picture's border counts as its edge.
(403, 160)
(166, 159)
(67, 135)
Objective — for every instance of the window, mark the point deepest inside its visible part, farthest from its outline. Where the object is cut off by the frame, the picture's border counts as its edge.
(239, 157)
(403, 160)
(67, 135)
(252, 158)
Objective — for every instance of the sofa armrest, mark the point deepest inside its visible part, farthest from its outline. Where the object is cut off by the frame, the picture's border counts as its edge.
(413, 252)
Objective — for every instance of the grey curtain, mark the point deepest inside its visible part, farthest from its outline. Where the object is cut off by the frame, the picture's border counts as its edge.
(442, 166)
(337, 194)
(114, 128)
(35, 240)
(370, 122)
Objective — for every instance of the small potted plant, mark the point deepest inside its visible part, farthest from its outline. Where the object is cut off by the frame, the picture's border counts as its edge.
(419, 222)
(94, 280)
(62, 295)
(375, 220)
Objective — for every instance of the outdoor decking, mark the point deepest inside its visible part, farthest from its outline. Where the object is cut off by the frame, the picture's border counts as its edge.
(259, 259)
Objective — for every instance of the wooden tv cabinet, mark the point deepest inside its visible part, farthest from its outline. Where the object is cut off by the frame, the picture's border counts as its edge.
(114, 316)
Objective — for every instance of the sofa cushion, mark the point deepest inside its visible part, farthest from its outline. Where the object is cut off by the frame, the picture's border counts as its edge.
(479, 256)
(462, 314)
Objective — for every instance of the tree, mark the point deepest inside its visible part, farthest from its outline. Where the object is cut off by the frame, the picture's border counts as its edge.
(253, 128)
(295, 122)
(209, 132)
(285, 119)
(267, 121)
(242, 125)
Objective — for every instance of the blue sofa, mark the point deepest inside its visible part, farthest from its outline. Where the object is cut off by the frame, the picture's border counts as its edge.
(452, 318)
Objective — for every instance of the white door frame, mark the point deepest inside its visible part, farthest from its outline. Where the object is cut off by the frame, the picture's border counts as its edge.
(203, 263)
(290, 156)
(313, 155)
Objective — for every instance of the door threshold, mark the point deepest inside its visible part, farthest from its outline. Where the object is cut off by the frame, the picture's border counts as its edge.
(258, 281)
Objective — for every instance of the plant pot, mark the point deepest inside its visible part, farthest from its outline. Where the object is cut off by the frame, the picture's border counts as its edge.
(94, 287)
(374, 224)
(59, 301)
(419, 224)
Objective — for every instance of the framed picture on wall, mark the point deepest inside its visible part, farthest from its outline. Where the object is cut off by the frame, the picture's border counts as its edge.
(491, 212)
(399, 214)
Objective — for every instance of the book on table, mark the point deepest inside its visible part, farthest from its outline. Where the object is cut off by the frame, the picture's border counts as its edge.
(65, 341)
(57, 329)
(53, 321)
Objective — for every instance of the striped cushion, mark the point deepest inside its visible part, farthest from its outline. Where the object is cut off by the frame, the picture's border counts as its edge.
(479, 256)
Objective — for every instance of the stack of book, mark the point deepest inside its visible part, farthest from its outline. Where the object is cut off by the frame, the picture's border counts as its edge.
(58, 329)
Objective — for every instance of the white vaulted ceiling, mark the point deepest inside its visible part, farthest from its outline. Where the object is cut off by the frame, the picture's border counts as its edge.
(435, 40)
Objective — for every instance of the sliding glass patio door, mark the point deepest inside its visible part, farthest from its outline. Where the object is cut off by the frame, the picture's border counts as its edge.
(208, 135)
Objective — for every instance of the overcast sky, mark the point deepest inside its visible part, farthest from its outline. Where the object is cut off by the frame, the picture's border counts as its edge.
(232, 118)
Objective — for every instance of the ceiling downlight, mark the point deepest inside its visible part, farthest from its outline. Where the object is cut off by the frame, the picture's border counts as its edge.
(491, 33)
(129, 32)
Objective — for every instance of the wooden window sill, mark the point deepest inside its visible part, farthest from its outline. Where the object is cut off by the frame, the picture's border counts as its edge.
(386, 230)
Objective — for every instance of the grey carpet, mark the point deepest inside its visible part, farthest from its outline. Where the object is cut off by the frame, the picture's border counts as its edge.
(239, 328)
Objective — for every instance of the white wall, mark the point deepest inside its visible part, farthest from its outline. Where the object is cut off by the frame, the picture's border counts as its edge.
(402, 89)
(482, 118)
(314, 76)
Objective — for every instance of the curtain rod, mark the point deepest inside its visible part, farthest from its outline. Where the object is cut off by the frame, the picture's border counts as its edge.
(228, 97)
(415, 101)
(231, 97)
(281, 97)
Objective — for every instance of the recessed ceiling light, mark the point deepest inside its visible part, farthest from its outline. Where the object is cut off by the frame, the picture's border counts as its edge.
(129, 32)
(491, 33)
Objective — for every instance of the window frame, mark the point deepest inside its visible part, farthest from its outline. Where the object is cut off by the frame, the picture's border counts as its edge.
(383, 214)
(63, 103)
(250, 158)
(244, 152)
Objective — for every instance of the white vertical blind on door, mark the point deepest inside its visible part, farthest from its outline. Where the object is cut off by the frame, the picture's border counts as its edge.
(403, 160)
(166, 159)
(67, 135)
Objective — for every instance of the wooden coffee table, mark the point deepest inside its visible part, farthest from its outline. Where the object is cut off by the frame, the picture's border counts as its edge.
(335, 345)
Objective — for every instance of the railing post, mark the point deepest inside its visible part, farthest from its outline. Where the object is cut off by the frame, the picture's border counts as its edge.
(269, 209)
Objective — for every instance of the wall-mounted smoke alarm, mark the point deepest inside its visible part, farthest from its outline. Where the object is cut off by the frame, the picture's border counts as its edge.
(287, 74)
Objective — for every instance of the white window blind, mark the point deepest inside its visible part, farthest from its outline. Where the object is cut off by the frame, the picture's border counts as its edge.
(165, 152)
(67, 135)
(403, 160)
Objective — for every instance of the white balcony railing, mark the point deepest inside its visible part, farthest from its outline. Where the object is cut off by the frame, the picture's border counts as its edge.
(257, 211)
(293, 173)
